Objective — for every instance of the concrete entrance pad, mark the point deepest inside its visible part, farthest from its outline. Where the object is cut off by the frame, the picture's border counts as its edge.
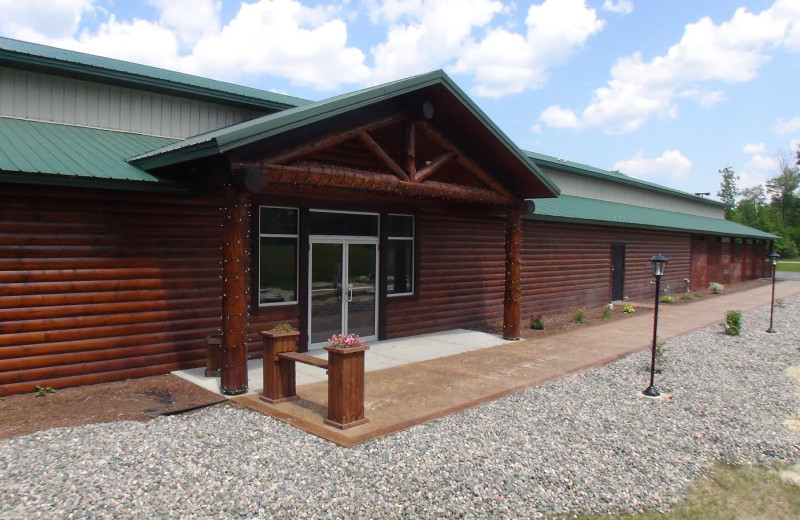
(409, 392)
(381, 355)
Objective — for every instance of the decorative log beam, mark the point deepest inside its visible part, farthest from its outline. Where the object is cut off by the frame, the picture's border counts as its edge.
(434, 165)
(512, 304)
(434, 135)
(331, 139)
(410, 151)
(234, 293)
(334, 176)
(380, 152)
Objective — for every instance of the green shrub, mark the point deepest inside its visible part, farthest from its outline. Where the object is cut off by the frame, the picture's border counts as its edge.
(608, 310)
(716, 288)
(786, 248)
(281, 328)
(42, 390)
(537, 322)
(628, 309)
(667, 299)
(686, 297)
(698, 294)
(661, 355)
(579, 316)
(733, 323)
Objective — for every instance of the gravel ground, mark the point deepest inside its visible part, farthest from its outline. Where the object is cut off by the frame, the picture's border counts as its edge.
(589, 442)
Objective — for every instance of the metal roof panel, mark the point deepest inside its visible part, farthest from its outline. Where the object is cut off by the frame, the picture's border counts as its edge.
(569, 208)
(32, 147)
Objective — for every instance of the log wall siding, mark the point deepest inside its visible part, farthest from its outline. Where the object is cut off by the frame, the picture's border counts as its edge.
(565, 266)
(461, 276)
(101, 286)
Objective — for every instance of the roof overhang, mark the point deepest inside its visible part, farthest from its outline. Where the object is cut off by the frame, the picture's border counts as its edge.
(580, 210)
(431, 99)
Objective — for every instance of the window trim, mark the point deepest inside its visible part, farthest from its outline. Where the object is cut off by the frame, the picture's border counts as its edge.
(296, 237)
(411, 239)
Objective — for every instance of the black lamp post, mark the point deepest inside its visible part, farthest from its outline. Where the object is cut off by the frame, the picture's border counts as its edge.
(773, 259)
(659, 262)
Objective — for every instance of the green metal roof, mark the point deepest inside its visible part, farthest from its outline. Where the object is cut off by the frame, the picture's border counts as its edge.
(611, 176)
(48, 153)
(568, 208)
(96, 68)
(225, 139)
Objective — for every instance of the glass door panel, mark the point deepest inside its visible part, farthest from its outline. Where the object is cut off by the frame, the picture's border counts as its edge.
(362, 261)
(326, 306)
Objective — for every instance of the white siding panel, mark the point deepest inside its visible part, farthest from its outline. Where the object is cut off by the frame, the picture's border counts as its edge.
(41, 97)
(579, 186)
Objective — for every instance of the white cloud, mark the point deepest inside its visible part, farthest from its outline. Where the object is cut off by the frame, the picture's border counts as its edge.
(786, 127)
(505, 62)
(672, 164)
(758, 169)
(434, 33)
(729, 52)
(284, 38)
(190, 19)
(308, 46)
(33, 21)
(754, 148)
(620, 6)
(558, 117)
(391, 11)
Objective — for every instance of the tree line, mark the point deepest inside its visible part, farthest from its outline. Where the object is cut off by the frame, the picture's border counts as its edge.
(773, 207)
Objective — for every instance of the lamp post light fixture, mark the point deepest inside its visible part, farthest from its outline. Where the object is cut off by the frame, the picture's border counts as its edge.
(773, 259)
(659, 263)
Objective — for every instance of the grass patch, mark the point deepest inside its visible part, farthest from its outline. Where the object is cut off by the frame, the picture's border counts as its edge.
(793, 267)
(728, 493)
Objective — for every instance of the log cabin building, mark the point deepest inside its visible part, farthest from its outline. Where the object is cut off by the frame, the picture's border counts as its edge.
(142, 210)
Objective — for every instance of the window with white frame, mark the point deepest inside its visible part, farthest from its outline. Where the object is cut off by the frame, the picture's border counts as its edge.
(278, 241)
(400, 256)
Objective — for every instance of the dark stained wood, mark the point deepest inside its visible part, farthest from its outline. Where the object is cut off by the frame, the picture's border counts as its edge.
(346, 387)
(233, 371)
(99, 285)
(319, 175)
(279, 374)
(329, 140)
(306, 359)
(410, 151)
(512, 302)
(430, 169)
(381, 153)
(434, 135)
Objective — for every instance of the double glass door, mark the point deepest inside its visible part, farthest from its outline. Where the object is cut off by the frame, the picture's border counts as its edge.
(343, 288)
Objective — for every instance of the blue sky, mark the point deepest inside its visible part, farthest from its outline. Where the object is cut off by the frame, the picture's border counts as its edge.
(669, 91)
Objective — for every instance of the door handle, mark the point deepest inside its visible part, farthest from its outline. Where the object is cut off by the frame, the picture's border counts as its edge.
(350, 298)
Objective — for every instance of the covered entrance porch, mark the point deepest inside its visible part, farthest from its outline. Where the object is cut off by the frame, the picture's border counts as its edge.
(340, 215)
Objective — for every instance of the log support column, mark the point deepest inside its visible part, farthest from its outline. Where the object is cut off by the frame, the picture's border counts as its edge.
(234, 293)
(512, 303)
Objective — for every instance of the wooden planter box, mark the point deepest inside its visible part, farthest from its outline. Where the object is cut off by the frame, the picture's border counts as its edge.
(279, 374)
(346, 386)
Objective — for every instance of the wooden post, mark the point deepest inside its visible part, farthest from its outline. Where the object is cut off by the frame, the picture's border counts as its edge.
(512, 304)
(279, 374)
(346, 386)
(234, 293)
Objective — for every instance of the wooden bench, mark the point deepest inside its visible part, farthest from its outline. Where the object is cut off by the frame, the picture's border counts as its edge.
(345, 370)
(299, 357)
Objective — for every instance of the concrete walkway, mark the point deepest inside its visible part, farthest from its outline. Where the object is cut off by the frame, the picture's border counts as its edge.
(414, 393)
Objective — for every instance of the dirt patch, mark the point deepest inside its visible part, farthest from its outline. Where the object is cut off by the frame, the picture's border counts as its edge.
(135, 399)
